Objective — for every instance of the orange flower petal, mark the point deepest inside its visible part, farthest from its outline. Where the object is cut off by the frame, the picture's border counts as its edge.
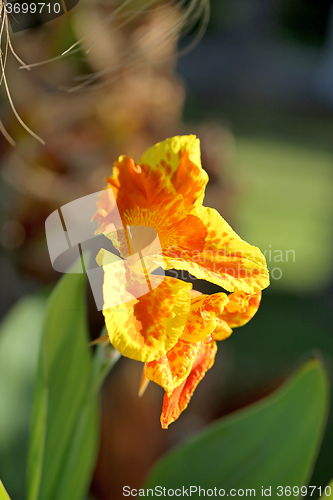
(171, 370)
(139, 186)
(177, 402)
(169, 169)
(238, 302)
(146, 197)
(135, 187)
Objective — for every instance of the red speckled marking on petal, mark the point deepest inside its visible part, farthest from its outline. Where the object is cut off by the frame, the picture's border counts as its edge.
(201, 319)
(172, 369)
(149, 326)
(226, 259)
(177, 402)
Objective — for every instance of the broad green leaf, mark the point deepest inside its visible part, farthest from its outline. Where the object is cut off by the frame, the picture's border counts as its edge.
(20, 333)
(3, 493)
(328, 492)
(272, 443)
(60, 406)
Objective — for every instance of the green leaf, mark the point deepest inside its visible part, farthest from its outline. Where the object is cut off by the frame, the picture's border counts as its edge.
(20, 334)
(83, 441)
(81, 456)
(38, 434)
(3, 493)
(272, 443)
(329, 490)
(64, 422)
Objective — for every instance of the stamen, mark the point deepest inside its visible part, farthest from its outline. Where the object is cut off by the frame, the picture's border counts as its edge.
(99, 340)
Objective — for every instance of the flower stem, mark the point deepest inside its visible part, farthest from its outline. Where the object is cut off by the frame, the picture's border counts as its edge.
(104, 360)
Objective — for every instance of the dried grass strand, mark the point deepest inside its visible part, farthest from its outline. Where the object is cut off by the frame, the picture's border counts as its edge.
(193, 13)
(5, 38)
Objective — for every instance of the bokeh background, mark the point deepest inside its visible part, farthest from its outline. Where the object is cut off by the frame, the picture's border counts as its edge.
(257, 90)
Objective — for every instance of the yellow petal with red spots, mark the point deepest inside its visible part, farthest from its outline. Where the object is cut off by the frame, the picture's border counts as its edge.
(152, 316)
(177, 402)
(240, 317)
(201, 320)
(238, 302)
(226, 259)
(171, 370)
(179, 159)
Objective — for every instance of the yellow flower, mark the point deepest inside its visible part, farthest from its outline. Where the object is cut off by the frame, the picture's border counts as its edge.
(170, 327)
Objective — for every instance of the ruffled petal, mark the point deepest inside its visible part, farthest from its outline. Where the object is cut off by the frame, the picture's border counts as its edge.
(177, 402)
(222, 330)
(171, 370)
(179, 159)
(240, 317)
(139, 186)
(226, 260)
(201, 320)
(152, 316)
(146, 197)
(134, 187)
(238, 302)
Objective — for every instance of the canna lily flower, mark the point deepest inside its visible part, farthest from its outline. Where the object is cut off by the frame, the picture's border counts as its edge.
(170, 327)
